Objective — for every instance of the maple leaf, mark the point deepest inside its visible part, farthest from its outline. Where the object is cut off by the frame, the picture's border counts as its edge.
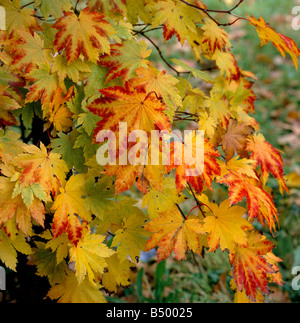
(10, 145)
(87, 35)
(240, 166)
(235, 139)
(49, 170)
(210, 170)
(124, 59)
(9, 245)
(172, 232)
(242, 298)
(178, 19)
(46, 263)
(99, 196)
(44, 86)
(145, 176)
(160, 201)
(54, 8)
(117, 273)
(69, 291)
(89, 257)
(283, 43)
(19, 18)
(60, 115)
(250, 268)
(141, 110)
(7, 105)
(68, 205)
(160, 83)
(64, 145)
(227, 64)
(269, 158)
(29, 52)
(214, 37)
(226, 227)
(58, 246)
(111, 8)
(130, 238)
(73, 70)
(218, 108)
(260, 203)
(15, 207)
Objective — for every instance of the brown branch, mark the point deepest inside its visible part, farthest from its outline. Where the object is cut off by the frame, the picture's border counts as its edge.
(181, 212)
(199, 204)
(160, 53)
(229, 12)
(27, 4)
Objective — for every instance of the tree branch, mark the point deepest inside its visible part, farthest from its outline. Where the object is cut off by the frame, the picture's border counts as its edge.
(229, 12)
(181, 212)
(160, 53)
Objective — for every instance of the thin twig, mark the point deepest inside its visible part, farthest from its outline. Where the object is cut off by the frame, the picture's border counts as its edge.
(27, 4)
(181, 212)
(229, 12)
(160, 53)
(199, 204)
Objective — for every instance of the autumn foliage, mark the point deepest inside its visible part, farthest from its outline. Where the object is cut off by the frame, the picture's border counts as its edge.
(72, 68)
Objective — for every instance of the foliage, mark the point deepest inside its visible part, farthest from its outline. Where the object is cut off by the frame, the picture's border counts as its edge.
(77, 67)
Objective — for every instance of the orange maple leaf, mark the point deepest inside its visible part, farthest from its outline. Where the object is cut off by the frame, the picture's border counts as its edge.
(260, 203)
(86, 34)
(210, 170)
(38, 166)
(173, 232)
(250, 268)
(283, 43)
(16, 207)
(269, 158)
(139, 109)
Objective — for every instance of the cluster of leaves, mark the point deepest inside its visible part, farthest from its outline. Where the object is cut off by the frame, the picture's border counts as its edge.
(77, 67)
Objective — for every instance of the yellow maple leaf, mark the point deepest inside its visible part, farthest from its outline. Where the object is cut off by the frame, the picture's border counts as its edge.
(140, 109)
(178, 19)
(19, 18)
(89, 257)
(68, 205)
(29, 52)
(159, 201)
(9, 245)
(160, 83)
(69, 291)
(214, 37)
(86, 34)
(240, 166)
(226, 227)
(60, 115)
(130, 238)
(118, 273)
